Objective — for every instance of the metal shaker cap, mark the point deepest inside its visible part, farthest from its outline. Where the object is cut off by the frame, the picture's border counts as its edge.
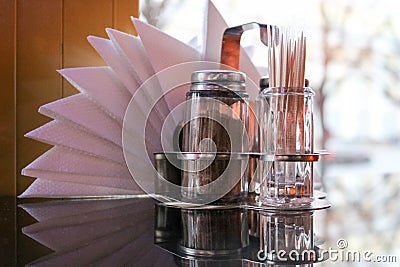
(218, 80)
(264, 82)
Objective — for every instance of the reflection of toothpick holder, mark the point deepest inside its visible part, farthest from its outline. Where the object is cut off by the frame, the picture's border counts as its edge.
(288, 238)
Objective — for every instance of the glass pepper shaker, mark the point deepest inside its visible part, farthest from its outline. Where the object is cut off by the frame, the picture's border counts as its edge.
(215, 135)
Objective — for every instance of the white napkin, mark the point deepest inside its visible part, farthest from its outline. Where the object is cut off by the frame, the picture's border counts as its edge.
(88, 158)
(81, 112)
(102, 86)
(67, 165)
(116, 61)
(43, 188)
(60, 133)
(132, 49)
(163, 50)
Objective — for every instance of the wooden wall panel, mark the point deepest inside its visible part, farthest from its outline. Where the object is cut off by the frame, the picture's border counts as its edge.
(7, 98)
(39, 39)
(123, 10)
(49, 35)
(81, 19)
(8, 253)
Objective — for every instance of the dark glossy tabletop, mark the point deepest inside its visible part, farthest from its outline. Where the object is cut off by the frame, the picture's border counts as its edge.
(138, 231)
(364, 220)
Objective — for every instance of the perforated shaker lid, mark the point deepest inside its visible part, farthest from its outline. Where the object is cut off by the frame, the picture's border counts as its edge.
(217, 79)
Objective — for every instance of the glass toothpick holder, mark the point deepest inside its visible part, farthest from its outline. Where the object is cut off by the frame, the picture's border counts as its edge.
(287, 146)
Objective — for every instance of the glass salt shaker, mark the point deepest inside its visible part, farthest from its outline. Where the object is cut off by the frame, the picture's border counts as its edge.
(214, 135)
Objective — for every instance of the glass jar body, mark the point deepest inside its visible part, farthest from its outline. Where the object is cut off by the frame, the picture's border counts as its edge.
(286, 128)
(216, 122)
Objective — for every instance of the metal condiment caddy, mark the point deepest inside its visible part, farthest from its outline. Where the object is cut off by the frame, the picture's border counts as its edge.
(273, 160)
(263, 152)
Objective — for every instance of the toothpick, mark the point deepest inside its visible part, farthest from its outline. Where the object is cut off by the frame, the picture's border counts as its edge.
(287, 53)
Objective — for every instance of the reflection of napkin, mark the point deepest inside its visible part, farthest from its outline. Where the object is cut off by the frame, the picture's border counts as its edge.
(87, 158)
(96, 232)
